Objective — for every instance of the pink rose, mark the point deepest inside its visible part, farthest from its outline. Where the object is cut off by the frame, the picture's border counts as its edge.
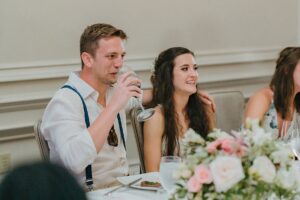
(242, 151)
(230, 146)
(213, 146)
(194, 185)
(203, 174)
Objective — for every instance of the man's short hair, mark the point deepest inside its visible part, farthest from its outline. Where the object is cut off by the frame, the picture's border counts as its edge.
(92, 34)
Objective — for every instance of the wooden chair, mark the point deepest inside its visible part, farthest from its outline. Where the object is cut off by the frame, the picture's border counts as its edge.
(230, 109)
(42, 143)
(139, 136)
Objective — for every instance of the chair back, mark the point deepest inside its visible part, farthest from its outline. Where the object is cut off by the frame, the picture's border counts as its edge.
(139, 136)
(229, 109)
(42, 143)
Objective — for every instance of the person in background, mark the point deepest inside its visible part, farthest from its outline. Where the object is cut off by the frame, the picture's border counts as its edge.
(41, 180)
(278, 105)
(178, 106)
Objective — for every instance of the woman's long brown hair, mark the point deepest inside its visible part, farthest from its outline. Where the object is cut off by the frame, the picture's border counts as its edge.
(163, 90)
(282, 82)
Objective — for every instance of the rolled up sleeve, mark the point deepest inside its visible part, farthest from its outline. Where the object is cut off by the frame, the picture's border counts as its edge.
(64, 128)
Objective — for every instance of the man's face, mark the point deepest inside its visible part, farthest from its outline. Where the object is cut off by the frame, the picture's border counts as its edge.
(108, 59)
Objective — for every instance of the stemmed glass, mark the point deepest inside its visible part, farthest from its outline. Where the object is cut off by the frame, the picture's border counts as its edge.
(168, 164)
(145, 113)
(285, 132)
(295, 142)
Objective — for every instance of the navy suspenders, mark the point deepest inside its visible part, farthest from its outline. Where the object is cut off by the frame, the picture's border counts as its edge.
(88, 169)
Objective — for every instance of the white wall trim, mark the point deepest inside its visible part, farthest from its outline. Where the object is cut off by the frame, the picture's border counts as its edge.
(57, 69)
(298, 23)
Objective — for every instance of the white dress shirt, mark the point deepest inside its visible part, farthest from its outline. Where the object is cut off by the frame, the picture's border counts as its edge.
(64, 128)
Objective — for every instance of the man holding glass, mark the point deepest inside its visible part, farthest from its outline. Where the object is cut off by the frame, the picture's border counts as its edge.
(85, 123)
(71, 141)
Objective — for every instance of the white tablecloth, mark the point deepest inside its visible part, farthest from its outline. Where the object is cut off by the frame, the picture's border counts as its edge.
(128, 193)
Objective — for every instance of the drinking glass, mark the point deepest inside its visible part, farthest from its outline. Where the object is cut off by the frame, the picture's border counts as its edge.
(145, 113)
(285, 133)
(168, 164)
(295, 142)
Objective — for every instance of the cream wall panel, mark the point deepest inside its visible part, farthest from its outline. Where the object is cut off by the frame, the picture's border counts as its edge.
(36, 30)
(24, 150)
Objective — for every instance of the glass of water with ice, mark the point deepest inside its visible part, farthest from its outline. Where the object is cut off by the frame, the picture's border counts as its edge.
(168, 164)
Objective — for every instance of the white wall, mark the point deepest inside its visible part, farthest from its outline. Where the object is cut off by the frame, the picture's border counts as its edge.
(235, 42)
(298, 25)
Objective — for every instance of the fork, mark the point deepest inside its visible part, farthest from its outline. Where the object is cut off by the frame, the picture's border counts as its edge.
(123, 185)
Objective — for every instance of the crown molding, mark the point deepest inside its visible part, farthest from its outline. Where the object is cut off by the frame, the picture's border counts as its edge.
(58, 69)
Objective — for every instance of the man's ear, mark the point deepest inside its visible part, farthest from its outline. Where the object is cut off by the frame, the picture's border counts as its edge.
(87, 59)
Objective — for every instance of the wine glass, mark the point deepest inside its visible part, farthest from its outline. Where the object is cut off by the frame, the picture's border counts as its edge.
(285, 131)
(295, 142)
(145, 113)
(168, 164)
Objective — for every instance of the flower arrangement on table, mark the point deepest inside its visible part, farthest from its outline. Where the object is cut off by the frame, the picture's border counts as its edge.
(249, 164)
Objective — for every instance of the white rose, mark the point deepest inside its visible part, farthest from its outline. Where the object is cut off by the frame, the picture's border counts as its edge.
(296, 172)
(263, 167)
(282, 156)
(273, 197)
(252, 123)
(192, 136)
(186, 173)
(285, 178)
(260, 136)
(182, 171)
(226, 172)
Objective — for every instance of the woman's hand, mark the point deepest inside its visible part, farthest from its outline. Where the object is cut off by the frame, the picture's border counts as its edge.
(207, 99)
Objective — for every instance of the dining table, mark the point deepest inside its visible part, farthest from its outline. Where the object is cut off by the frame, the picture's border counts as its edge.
(132, 192)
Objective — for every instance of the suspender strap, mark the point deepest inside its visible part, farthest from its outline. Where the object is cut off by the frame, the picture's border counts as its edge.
(88, 170)
(121, 130)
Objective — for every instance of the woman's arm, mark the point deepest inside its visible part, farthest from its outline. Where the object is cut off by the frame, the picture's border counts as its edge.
(259, 104)
(153, 131)
(211, 116)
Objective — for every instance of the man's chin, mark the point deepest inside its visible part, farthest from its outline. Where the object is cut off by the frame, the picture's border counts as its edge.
(112, 82)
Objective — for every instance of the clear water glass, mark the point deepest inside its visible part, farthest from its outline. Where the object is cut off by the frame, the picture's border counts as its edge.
(295, 142)
(285, 132)
(145, 113)
(168, 164)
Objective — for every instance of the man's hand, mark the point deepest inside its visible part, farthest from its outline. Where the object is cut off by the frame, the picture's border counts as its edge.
(126, 87)
(207, 99)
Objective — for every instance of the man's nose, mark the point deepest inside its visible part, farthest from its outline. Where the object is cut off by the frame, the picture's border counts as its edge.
(119, 61)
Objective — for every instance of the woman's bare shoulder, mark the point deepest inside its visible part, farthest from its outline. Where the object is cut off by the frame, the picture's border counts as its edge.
(259, 103)
(156, 121)
(265, 94)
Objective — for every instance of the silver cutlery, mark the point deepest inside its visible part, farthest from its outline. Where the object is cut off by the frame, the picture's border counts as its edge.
(123, 185)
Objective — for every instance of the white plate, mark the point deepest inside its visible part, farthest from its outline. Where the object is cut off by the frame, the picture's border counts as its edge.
(152, 176)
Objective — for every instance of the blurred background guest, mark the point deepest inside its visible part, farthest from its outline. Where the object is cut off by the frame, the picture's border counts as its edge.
(278, 105)
(39, 181)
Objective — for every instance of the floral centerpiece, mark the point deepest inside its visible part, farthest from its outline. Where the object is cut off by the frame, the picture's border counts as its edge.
(248, 164)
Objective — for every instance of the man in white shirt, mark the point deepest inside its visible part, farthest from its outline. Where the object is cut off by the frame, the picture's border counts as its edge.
(102, 145)
(71, 143)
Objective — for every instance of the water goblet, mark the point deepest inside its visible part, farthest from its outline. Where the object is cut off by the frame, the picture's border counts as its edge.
(295, 142)
(168, 164)
(145, 113)
(285, 135)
